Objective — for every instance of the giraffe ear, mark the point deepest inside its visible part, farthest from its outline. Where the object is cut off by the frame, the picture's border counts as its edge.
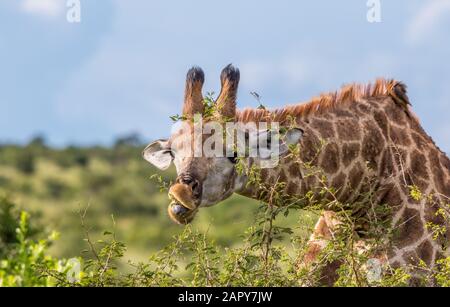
(159, 154)
(277, 146)
(293, 136)
(285, 139)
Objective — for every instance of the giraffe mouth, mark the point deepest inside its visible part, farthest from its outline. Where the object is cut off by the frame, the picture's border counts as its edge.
(183, 196)
(180, 214)
(182, 207)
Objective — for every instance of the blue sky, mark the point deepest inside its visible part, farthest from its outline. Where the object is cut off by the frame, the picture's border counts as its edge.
(122, 68)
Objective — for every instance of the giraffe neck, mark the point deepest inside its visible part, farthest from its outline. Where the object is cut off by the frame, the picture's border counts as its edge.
(331, 155)
(373, 147)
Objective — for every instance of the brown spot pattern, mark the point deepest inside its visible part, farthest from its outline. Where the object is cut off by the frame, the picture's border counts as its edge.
(425, 252)
(419, 166)
(387, 164)
(350, 151)
(399, 136)
(382, 122)
(348, 130)
(330, 158)
(292, 189)
(372, 145)
(325, 128)
(410, 228)
(355, 176)
(395, 113)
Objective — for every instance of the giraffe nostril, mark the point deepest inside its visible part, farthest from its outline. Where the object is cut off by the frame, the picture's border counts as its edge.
(186, 179)
(189, 180)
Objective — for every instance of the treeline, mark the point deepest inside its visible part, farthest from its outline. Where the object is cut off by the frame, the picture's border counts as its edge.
(55, 182)
(24, 157)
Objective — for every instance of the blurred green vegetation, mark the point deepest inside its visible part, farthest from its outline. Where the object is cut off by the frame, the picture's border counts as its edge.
(53, 184)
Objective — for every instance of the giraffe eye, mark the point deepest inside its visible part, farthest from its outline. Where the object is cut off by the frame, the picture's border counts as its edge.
(233, 159)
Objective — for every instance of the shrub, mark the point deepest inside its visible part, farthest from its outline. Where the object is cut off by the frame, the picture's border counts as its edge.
(25, 162)
(19, 266)
(8, 225)
(56, 188)
(190, 260)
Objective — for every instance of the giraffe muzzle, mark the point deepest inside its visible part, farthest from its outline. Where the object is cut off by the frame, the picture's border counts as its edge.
(183, 205)
(183, 195)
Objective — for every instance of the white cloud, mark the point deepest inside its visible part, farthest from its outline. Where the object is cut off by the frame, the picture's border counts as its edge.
(45, 8)
(429, 16)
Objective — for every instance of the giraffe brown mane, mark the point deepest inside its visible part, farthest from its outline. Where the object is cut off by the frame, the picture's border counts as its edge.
(327, 101)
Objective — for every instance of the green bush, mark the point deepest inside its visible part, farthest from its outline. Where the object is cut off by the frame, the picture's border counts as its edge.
(8, 225)
(56, 188)
(190, 260)
(24, 256)
(25, 162)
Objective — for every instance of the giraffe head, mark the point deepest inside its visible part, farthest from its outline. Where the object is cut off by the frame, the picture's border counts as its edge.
(205, 164)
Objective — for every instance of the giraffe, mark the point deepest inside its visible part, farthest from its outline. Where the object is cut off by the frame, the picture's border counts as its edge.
(364, 138)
